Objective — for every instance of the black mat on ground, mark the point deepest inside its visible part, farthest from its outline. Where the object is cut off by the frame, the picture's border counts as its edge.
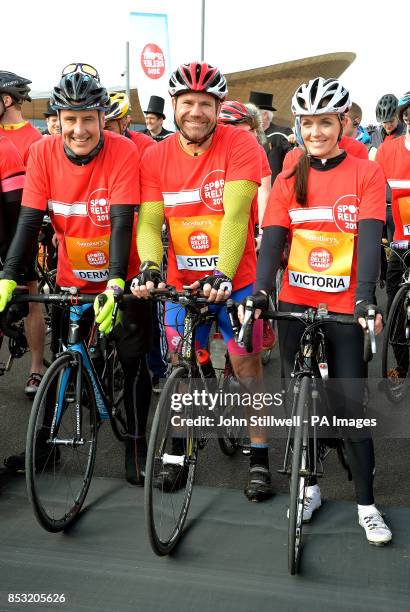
(232, 557)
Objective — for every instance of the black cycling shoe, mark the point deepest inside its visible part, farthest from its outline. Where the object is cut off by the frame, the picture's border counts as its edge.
(171, 478)
(45, 457)
(135, 460)
(259, 487)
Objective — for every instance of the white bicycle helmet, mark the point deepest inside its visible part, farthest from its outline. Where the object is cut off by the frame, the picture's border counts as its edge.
(320, 96)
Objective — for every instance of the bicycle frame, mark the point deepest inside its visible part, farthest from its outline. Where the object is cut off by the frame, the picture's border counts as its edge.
(77, 347)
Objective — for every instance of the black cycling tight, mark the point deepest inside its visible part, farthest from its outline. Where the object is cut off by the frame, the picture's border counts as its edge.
(345, 360)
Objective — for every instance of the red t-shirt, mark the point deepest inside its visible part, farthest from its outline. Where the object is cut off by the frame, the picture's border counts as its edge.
(79, 200)
(141, 140)
(322, 263)
(192, 191)
(394, 159)
(350, 145)
(266, 171)
(22, 138)
(10, 164)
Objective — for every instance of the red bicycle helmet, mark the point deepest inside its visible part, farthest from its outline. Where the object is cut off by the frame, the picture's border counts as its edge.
(233, 112)
(198, 76)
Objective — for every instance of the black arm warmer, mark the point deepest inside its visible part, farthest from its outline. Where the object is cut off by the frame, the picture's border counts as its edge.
(273, 243)
(368, 258)
(11, 203)
(122, 219)
(23, 243)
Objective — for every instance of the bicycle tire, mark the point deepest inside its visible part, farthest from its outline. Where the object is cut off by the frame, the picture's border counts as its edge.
(230, 442)
(298, 478)
(166, 508)
(394, 345)
(58, 477)
(116, 392)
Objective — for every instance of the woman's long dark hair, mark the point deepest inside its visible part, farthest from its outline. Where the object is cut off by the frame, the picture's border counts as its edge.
(301, 174)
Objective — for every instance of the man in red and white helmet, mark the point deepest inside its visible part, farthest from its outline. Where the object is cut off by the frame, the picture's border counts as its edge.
(202, 181)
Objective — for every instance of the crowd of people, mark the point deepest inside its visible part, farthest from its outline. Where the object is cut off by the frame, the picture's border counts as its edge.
(232, 188)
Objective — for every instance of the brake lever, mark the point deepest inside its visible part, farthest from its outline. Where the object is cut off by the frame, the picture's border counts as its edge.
(249, 309)
(370, 320)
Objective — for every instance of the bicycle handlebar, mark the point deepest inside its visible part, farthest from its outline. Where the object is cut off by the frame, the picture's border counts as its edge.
(309, 317)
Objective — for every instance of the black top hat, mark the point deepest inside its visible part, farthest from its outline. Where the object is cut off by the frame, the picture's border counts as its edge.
(156, 106)
(262, 100)
(50, 112)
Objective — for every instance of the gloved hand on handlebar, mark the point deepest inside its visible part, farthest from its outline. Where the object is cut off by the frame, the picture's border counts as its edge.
(260, 304)
(361, 314)
(216, 287)
(7, 287)
(104, 313)
(150, 276)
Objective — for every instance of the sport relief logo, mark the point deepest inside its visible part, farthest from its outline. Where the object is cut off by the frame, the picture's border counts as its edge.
(96, 259)
(212, 190)
(320, 259)
(199, 241)
(345, 212)
(153, 61)
(98, 207)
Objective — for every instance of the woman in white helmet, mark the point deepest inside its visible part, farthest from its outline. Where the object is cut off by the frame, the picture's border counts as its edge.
(331, 206)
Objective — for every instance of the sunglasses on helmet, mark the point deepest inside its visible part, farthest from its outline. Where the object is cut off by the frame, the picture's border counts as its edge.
(79, 67)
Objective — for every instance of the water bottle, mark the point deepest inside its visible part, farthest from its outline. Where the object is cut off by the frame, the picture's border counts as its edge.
(217, 349)
(205, 362)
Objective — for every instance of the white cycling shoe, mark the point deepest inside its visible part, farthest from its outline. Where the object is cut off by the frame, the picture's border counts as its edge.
(377, 532)
(312, 502)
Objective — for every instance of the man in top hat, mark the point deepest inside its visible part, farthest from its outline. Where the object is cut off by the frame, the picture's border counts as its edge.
(277, 143)
(53, 124)
(154, 118)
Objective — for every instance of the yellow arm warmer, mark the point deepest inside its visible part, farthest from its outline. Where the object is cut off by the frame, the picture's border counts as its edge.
(237, 200)
(149, 228)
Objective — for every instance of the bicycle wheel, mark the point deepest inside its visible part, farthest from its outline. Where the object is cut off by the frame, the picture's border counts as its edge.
(396, 348)
(231, 438)
(298, 478)
(116, 391)
(172, 450)
(59, 468)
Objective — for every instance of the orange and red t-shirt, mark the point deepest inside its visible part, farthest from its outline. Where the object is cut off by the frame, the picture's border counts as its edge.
(265, 171)
(11, 165)
(79, 200)
(394, 159)
(348, 144)
(22, 137)
(322, 265)
(192, 190)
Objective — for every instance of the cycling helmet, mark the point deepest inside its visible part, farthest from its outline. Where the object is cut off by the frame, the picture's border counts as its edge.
(403, 103)
(119, 106)
(15, 86)
(79, 91)
(198, 76)
(320, 96)
(386, 108)
(233, 112)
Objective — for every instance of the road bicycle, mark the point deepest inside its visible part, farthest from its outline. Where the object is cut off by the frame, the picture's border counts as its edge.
(12, 333)
(396, 338)
(305, 450)
(76, 395)
(180, 430)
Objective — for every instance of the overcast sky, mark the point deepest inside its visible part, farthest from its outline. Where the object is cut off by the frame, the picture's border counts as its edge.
(239, 35)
